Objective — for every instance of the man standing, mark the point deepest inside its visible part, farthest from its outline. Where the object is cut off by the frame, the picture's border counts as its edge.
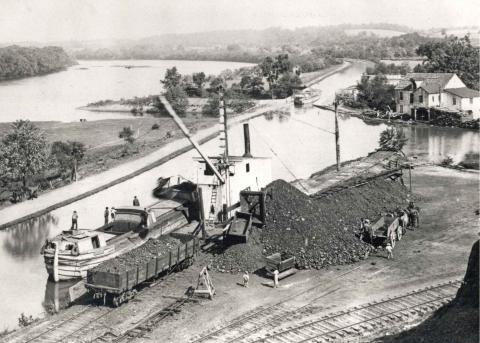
(246, 278)
(275, 279)
(135, 201)
(389, 249)
(74, 220)
(106, 215)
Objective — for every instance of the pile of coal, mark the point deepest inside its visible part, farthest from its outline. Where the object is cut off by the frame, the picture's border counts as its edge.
(238, 258)
(151, 249)
(319, 232)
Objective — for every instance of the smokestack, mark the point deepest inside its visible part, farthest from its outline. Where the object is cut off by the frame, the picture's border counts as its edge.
(246, 137)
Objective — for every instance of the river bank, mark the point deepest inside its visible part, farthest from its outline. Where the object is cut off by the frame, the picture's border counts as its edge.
(356, 112)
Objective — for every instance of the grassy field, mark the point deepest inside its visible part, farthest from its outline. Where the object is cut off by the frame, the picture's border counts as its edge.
(104, 148)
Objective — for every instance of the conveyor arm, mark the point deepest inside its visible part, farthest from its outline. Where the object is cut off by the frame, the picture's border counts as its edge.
(185, 130)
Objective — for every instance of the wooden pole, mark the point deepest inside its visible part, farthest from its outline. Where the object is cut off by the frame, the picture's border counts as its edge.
(337, 136)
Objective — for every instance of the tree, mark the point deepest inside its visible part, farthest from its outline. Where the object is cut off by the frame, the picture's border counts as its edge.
(172, 78)
(23, 152)
(285, 85)
(68, 155)
(451, 55)
(127, 134)
(177, 97)
(376, 93)
(199, 79)
(392, 139)
(273, 68)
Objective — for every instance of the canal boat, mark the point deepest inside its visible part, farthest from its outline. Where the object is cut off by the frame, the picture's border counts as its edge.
(70, 254)
(306, 97)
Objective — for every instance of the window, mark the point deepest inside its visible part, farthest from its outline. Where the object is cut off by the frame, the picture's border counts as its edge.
(401, 95)
(247, 166)
(401, 108)
(420, 98)
(95, 242)
(411, 98)
(454, 101)
(208, 170)
(433, 98)
(471, 100)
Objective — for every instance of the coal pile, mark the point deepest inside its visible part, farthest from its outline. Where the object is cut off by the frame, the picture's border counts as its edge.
(152, 248)
(239, 257)
(319, 232)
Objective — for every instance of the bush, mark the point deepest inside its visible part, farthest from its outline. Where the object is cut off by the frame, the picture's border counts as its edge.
(447, 161)
(155, 126)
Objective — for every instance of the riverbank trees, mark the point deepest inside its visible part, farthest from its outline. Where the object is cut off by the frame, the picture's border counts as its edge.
(18, 62)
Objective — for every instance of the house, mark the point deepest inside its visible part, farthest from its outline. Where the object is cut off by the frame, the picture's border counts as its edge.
(418, 93)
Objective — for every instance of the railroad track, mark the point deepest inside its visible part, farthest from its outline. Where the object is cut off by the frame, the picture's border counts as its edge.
(339, 326)
(62, 329)
(263, 316)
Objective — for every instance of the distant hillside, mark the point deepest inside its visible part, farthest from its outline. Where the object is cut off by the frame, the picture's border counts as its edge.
(18, 62)
(389, 41)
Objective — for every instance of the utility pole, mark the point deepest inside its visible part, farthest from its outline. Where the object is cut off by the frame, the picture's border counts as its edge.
(337, 135)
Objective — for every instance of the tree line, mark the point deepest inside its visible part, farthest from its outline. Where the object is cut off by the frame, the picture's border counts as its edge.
(18, 62)
(28, 161)
(238, 88)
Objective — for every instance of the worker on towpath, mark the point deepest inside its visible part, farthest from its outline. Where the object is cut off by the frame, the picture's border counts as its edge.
(74, 220)
(275, 278)
(136, 202)
(106, 215)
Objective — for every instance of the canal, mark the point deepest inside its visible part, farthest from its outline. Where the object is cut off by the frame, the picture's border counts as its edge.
(299, 142)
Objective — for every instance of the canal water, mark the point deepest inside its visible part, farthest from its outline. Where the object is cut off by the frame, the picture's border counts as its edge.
(299, 142)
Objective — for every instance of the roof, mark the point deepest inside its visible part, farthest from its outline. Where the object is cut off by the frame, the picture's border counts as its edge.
(431, 82)
(463, 92)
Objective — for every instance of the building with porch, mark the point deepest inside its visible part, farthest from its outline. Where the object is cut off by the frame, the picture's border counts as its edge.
(417, 93)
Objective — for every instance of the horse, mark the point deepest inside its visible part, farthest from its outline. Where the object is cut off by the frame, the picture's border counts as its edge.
(403, 220)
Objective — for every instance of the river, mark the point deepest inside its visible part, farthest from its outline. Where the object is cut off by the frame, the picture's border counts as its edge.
(300, 143)
(58, 96)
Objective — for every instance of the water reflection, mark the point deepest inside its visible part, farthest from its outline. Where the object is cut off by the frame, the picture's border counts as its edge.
(57, 296)
(435, 143)
(25, 240)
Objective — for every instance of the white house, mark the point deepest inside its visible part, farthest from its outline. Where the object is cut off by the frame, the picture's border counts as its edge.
(417, 93)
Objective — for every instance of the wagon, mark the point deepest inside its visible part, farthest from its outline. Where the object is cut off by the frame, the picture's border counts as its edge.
(385, 229)
(282, 262)
(120, 286)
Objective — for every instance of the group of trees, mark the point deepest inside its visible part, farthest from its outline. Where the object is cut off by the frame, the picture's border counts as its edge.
(17, 62)
(384, 68)
(25, 155)
(376, 93)
(452, 55)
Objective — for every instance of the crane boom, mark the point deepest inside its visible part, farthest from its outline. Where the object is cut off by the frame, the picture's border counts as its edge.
(185, 130)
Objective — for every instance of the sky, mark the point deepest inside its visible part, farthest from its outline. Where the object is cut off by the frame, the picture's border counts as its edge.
(63, 20)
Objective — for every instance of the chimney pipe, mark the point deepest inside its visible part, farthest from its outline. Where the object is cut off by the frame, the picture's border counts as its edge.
(246, 137)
